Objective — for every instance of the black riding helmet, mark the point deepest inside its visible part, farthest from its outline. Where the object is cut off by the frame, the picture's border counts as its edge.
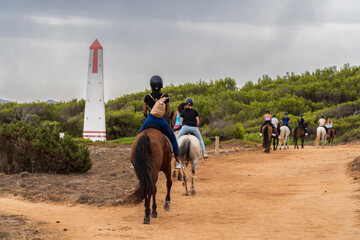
(267, 110)
(286, 113)
(274, 115)
(156, 82)
(189, 101)
(301, 115)
(322, 115)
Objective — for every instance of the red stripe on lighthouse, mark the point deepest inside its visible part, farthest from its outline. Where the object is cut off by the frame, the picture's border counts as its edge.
(95, 46)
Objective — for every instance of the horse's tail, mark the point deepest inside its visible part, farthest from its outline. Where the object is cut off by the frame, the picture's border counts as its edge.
(266, 137)
(282, 135)
(143, 168)
(318, 133)
(184, 149)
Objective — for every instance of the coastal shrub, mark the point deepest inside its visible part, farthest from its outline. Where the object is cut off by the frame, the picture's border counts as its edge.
(40, 149)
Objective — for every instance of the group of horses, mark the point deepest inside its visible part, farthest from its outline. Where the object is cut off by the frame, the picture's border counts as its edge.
(151, 154)
(299, 133)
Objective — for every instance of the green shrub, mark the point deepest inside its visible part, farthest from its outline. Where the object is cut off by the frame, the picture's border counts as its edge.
(253, 137)
(206, 140)
(26, 148)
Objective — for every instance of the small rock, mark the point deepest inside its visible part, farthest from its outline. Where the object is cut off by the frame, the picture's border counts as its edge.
(325, 191)
(57, 221)
(355, 178)
(65, 229)
(24, 174)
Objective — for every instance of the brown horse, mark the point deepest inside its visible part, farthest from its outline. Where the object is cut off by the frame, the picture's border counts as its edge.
(276, 137)
(299, 132)
(331, 134)
(266, 133)
(150, 154)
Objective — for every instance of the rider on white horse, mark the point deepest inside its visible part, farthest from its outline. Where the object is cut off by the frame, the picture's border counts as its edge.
(267, 120)
(285, 121)
(322, 123)
(190, 122)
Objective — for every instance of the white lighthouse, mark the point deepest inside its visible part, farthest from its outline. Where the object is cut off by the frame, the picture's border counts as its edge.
(94, 117)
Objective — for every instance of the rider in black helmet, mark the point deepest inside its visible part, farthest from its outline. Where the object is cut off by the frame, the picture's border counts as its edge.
(301, 123)
(285, 121)
(156, 84)
(190, 123)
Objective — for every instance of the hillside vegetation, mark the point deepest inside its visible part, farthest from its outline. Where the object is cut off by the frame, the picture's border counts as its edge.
(224, 109)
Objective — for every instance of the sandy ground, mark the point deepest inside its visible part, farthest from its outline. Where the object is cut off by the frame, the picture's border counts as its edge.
(292, 194)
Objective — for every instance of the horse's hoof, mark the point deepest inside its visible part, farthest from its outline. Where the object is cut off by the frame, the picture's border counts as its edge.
(183, 184)
(167, 205)
(185, 194)
(146, 220)
(174, 174)
(179, 177)
(192, 192)
(154, 215)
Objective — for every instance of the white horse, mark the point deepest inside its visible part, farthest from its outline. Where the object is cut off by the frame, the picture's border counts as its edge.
(320, 133)
(285, 133)
(190, 152)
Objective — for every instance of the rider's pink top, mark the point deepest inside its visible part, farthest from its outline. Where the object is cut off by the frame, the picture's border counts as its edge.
(267, 117)
(322, 122)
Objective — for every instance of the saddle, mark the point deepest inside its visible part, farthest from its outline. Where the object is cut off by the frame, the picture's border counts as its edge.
(154, 126)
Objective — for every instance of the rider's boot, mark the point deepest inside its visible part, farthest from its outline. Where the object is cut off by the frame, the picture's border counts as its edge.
(205, 155)
(178, 163)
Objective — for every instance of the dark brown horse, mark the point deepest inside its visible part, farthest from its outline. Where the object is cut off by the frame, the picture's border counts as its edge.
(331, 136)
(266, 134)
(299, 132)
(276, 137)
(150, 154)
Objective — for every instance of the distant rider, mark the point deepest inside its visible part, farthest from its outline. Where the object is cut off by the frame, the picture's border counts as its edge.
(285, 121)
(301, 123)
(322, 122)
(190, 123)
(177, 125)
(267, 120)
(275, 122)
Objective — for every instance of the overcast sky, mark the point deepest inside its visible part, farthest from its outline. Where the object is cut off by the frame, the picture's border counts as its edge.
(44, 45)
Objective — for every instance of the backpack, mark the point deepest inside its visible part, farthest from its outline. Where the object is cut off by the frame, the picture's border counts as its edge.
(158, 109)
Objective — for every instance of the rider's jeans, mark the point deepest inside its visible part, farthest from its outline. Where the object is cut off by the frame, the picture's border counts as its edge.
(165, 129)
(194, 130)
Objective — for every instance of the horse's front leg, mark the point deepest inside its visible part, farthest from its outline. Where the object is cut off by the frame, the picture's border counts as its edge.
(192, 188)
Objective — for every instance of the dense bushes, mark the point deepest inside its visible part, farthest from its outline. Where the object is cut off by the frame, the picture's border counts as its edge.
(220, 104)
(27, 148)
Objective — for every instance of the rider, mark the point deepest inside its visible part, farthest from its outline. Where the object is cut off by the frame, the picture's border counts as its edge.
(322, 122)
(267, 120)
(301, 123)
(275, 122)
(190, 123)
(177, 125)
(285, 121)
(156, 84)
(329, 123)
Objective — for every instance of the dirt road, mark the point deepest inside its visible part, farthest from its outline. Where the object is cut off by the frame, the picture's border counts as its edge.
(292, 194)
